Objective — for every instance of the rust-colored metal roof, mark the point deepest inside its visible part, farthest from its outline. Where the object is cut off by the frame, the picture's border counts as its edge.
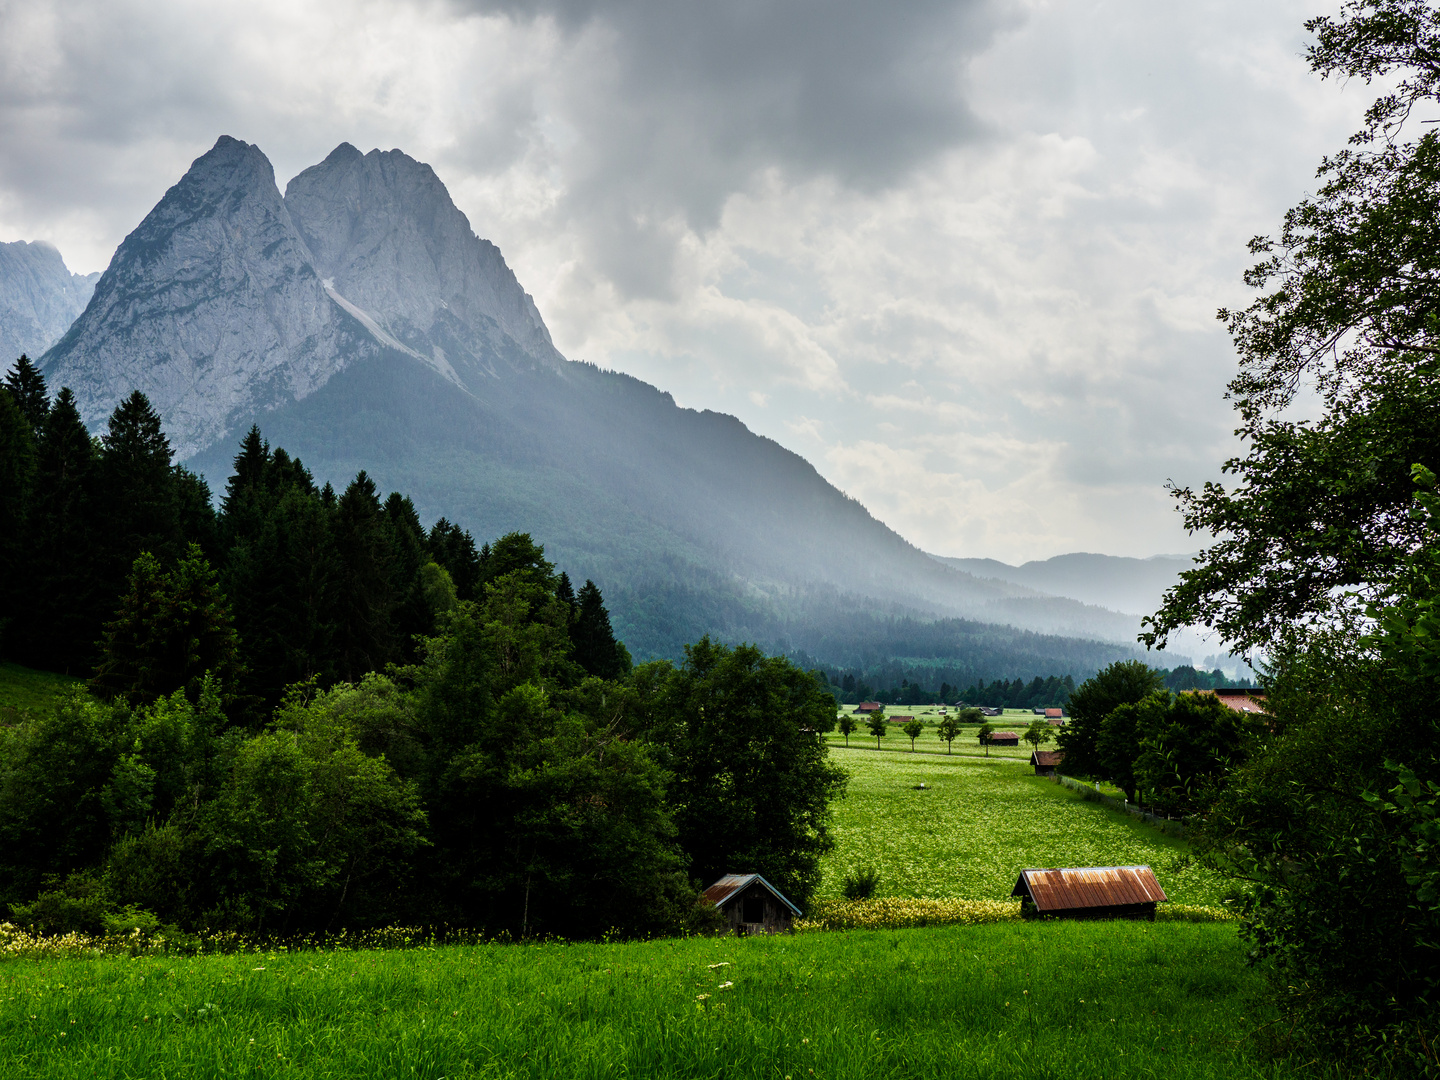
(732, 884)
(1054, 712)
(1089, 887)
(1238, 698)
(1047, 758)
(1005, 736)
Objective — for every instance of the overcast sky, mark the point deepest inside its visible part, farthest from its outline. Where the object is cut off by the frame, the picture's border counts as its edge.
(963, 255)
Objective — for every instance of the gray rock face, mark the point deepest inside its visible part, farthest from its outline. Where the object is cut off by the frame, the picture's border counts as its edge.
(382, 229)
(39, 299)
(229, 300)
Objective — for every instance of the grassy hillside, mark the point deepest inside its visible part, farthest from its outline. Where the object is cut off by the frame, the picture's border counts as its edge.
(25, 690)
(979, 821)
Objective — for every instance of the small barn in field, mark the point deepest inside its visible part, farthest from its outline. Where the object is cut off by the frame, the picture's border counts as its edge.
(1046, 761)
(752, 905)
(1090, 892)
(1055, 716)
(1004, 738)
(869, 707)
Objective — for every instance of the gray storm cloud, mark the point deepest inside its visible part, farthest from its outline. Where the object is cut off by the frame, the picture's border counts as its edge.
(678, 105)
(964, 255)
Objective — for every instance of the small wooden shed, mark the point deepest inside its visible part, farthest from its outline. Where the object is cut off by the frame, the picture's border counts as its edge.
(1004, 738)
(869, 707)
(1090, 892)
(752, 905)
(1046, 761)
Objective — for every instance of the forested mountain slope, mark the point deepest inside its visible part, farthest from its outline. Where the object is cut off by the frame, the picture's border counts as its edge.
(362, 324)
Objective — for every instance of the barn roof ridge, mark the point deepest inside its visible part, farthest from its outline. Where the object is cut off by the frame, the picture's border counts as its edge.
(729, 885)
(1060, 888)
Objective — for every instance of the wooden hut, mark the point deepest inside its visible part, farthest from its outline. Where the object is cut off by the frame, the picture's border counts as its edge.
(869, 707)
(752, 905)
(1004, 738)
(1046, 761)
(1091, 892)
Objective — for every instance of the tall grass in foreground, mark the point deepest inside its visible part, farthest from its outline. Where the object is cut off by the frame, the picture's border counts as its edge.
(1072, 1000)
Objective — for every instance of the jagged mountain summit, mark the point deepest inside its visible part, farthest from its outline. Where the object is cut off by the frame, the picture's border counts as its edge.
(360, 321)
(219, 308)
(39, 298)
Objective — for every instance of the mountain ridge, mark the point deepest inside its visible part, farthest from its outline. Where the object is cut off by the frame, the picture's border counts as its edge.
(39, 298)
(361, 323)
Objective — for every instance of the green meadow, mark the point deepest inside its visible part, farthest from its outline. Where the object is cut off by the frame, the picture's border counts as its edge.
(1078, 1000)
(25, 690)
(978, 822)
(1008, 999)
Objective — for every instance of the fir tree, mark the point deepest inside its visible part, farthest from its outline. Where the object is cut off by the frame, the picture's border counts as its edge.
(596, 649)
(27, 387)
(17, 480)
(136, 493)
(565, 593)
(365, 595)
(169, 631)
(454, 549)
(63, 629)
(413, 618)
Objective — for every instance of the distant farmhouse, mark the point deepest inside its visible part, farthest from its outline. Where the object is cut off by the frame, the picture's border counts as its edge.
(1092, 892)
(752, 905)
(1239, 698)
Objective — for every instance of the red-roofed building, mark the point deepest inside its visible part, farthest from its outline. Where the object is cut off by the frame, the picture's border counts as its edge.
(1238, 698)
(1091, 892)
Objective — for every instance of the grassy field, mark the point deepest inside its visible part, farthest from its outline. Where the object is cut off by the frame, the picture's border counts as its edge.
(978, 822)
(1078, 1000)
(1010, 999)
(25, 690)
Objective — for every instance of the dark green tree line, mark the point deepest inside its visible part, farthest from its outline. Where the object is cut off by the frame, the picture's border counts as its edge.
(310, 713)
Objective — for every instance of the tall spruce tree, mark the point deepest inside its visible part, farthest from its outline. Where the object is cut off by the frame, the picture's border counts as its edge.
(280, 570)
(454, 549)
(171, 629)
(137, 498)
(27, 387)
(366, 595)
(596, 649)
(17, 483)
(65, 621)
(413, 617)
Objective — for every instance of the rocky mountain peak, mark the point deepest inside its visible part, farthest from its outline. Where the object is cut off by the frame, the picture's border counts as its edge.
(39, 298)
(229, 300)
(211, 306)
(383, 229)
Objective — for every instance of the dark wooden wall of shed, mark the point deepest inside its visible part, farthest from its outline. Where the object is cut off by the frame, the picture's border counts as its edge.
(776, 917)
(1142, 912)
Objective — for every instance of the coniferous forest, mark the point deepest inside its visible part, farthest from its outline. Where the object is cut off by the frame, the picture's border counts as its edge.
(307, 711)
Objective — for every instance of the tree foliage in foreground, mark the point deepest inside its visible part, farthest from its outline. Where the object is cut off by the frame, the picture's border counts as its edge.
(1316, 520)
(1320, 559)
(311, 714)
